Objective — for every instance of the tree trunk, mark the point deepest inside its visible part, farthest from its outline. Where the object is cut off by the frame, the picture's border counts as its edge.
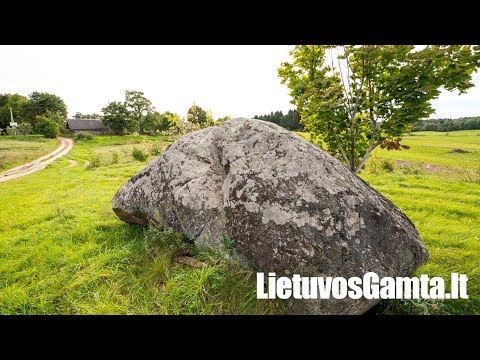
(352, 143)
(369, 150)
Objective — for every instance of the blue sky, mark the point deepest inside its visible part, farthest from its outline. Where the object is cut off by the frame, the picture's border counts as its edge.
(228, 80)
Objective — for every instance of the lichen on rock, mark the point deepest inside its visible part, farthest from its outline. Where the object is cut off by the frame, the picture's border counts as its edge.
(289, 206)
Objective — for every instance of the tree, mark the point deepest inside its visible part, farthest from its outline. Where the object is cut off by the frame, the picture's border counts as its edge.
(469, 123)
(355, 98)
(46, 127)
(178, 125)
(169, 121)
(153, 121)
(117, 118)
(41, 103)
(139, 106)
(80, 115)
(290, 121)
(197, 116)
(57, 118)
(15, 102)
(161, 121)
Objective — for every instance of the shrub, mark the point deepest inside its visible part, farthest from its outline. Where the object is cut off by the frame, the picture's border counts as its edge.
(411, 170)
(95, 162)
(10, 131)
(47, 128)
(470, 176)
(387, 165)
(25, 128)
(155, 149)
(139, 155)
(372, 165)
(83, 136)
(115, 157)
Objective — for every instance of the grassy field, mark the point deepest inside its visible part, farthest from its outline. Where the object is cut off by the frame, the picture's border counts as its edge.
(435, 148)
(17, 150)
(63, 250)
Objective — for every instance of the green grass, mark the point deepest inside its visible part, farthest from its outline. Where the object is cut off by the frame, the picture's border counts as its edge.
(445, 207)
(20, 149)
(446, 212)
(63, 250)
(436, 148)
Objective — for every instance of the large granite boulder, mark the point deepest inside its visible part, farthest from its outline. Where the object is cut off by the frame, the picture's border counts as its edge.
(288, 206)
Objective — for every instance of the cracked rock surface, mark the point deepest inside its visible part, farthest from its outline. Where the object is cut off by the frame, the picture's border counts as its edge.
(288, 206)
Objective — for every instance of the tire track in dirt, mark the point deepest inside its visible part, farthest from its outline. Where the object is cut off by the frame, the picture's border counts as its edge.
(29, 168)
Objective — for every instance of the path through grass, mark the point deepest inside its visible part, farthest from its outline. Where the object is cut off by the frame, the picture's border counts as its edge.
(63, 250)
(18, 150)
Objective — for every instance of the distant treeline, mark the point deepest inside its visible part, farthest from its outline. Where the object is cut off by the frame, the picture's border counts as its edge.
(465, 123)
(290, 120)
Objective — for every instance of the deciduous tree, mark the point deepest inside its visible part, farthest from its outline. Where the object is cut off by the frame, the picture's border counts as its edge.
(117, 117)
(40, 103)
(17, 103)
(197, 116)
(355, 98)
(139, 106)
(80, 115)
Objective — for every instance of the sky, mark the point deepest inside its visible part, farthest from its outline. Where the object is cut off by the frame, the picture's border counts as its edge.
(237, 80)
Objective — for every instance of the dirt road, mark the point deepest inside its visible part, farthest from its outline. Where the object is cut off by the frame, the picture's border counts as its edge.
(38, 164)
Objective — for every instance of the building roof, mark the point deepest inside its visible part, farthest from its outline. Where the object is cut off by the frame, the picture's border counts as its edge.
(86, 124)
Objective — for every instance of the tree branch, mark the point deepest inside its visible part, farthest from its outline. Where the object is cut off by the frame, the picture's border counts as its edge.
(350, 111)
(371, 146)
(340, 147)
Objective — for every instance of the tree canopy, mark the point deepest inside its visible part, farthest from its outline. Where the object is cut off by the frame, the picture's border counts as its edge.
(465, 123)
(80, 115)
(15, 102)
(138, 106)
(289, 121)
(157, 121)
(355, 98)
(41, 103)
(117, 118)
(196, 115)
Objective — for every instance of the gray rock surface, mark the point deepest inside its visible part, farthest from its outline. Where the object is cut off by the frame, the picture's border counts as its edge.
(289, 207)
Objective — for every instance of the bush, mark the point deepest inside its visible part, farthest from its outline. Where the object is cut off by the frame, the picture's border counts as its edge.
(139, 155)
(25, 128)
(386, 165)
(470, 176)
(155, 150)
(47, 128)
(95, 162)
(82, 136)
(411, 170)
(372, 166)
(10, 131)
(115, 157)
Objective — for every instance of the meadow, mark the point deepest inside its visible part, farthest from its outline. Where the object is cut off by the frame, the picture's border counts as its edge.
(18, 150)
(63, 250)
